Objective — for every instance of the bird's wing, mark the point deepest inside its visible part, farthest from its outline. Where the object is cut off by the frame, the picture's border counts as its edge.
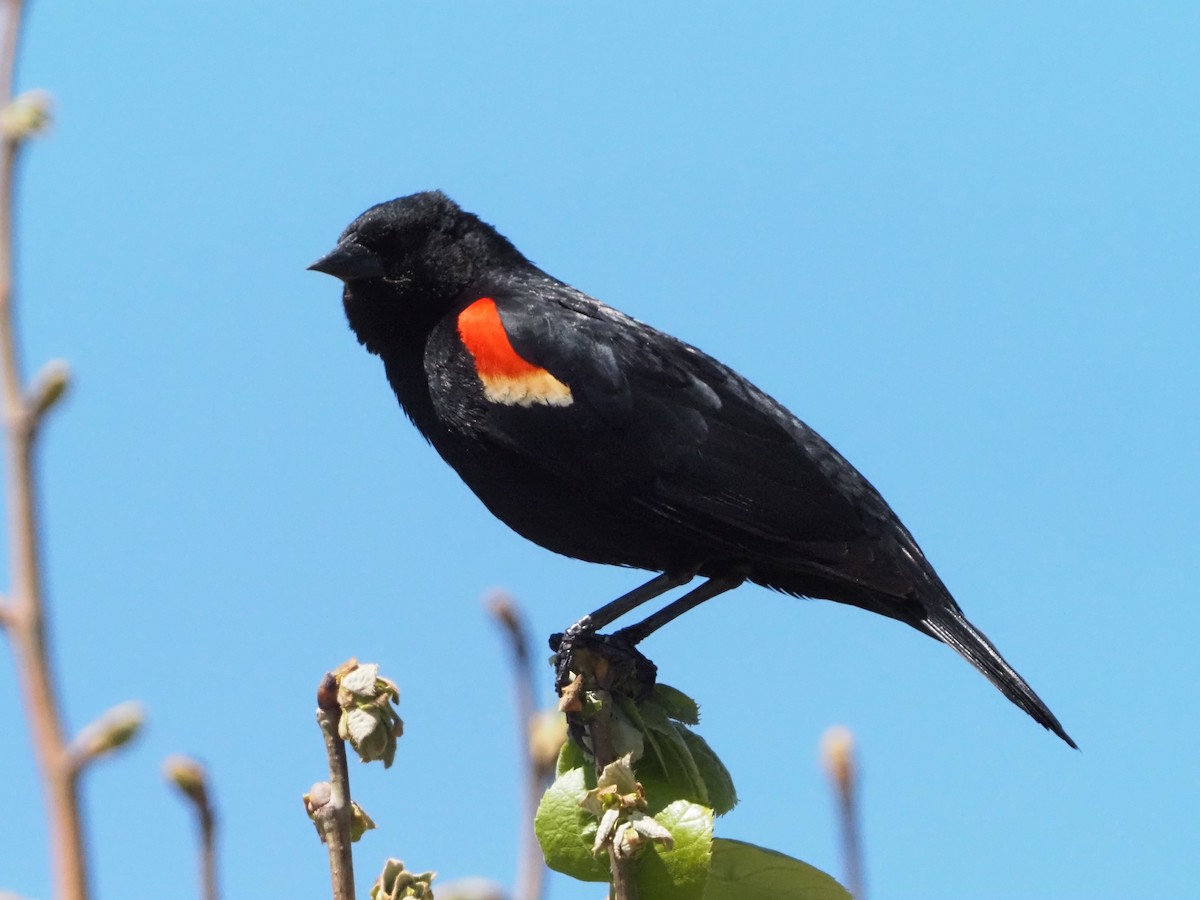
(677, 433)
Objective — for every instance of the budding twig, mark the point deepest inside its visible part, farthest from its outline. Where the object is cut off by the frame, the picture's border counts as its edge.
(333, 817)
(192, 781)
(530, 865)
(837, 751)
(23, 615)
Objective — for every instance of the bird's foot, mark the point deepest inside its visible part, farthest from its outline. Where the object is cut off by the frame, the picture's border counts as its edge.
(608, 661)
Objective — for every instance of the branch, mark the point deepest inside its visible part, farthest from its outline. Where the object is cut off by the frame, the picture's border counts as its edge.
(8, 162)
(189, 776)
(24, 615)
(603, 665)
(334, 815)
(531, 867)
(600, 729)
(837, 750)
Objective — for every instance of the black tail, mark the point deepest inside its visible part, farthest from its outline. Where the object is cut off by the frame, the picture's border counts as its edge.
(953, 628)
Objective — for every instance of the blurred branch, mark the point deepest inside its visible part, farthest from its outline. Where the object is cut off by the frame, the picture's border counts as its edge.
(192, 781)
(24, 611)
(531, 867)
(837, 752)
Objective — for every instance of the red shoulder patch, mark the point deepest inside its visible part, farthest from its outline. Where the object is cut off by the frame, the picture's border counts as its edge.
(483, 334)
(507, 378)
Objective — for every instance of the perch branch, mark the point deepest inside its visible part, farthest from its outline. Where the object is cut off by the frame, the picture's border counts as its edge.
(602, 665)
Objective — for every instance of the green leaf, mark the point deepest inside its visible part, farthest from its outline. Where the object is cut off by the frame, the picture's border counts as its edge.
(676, 759)
(565, 831)
(566, 834)
(679, 706)
(722, 795)
(689, 764)
(679, 873)
(743, 871)
(569, 757)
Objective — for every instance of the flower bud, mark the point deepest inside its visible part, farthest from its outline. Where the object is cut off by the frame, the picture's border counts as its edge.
(189, 776)
(368, 720)
(28, 115)
(114, 729)
(394, 883)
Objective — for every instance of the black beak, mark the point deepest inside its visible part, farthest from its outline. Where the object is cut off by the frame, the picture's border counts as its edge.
(350, 261)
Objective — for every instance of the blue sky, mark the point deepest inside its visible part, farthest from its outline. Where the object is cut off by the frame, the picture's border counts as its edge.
(958, 240)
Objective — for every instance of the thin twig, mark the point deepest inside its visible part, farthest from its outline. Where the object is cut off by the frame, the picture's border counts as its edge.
(208, 854)
(334, 816)
(191, 779)
(531, 867)
(837, 747)
(13, 10)
(24, 615)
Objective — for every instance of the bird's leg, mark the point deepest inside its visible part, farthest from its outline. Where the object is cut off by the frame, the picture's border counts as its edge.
(584, 631)
(634, 634)
(610, 612)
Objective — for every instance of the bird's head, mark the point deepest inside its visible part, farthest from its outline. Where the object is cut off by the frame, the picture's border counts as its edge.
(405, 263)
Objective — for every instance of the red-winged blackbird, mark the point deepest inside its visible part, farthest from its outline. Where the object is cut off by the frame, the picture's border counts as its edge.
(600, 438)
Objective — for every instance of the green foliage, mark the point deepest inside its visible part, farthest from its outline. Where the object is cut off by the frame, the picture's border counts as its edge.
(683, 786)
(681, 872)
(566, 833)
(680, 756)
(677, 704)
(743, 871)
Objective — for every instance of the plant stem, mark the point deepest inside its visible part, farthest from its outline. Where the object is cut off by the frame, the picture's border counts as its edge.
(530, 865)
(190, 778)
(624, 878)
(208, 853)
(837, 746)
(602, 665)
(24, 615)
(851, 844)
(334, 816)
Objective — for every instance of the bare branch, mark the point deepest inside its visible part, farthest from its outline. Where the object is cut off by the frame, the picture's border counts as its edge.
(531, 868)
(24, 616)
(10, 362)
(191, 779)
(837, 751)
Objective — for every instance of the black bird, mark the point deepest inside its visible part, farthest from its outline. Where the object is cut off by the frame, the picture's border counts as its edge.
(600, 438)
